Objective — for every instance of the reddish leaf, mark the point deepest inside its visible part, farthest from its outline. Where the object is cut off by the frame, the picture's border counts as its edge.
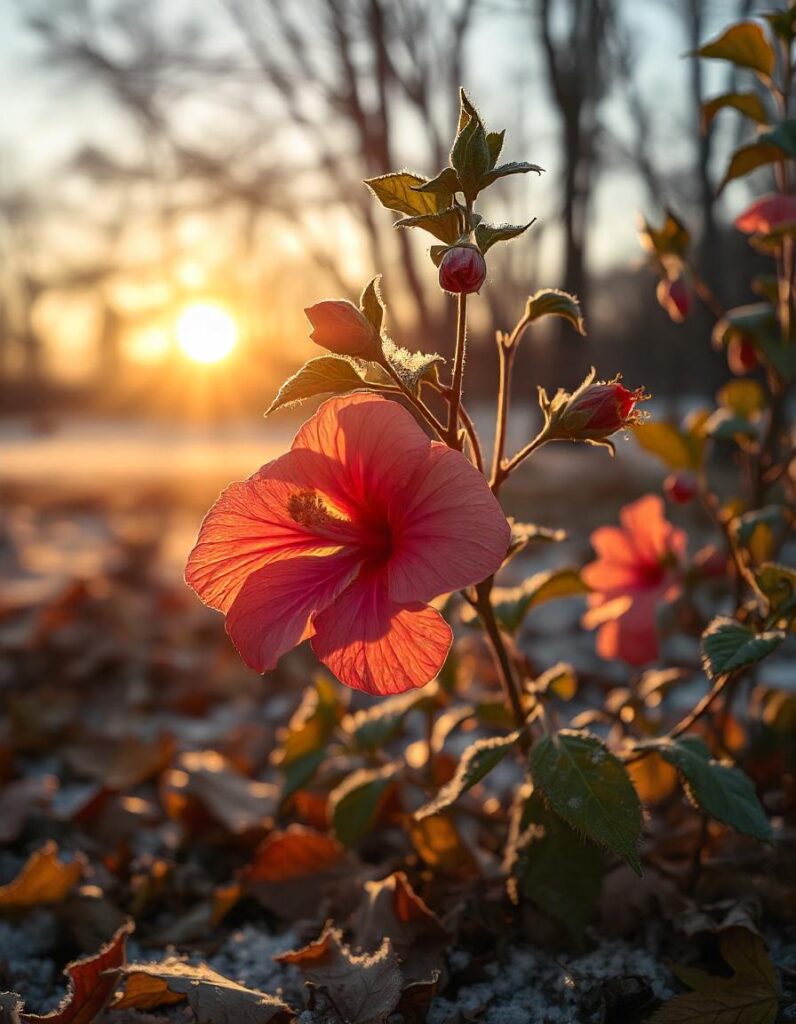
(42, 879)
(91, 984)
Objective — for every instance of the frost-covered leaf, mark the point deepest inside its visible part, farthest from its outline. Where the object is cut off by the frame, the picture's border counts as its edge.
(322, 375)
(748, 103)
(552, 865)
(590, 789)
(674, 447)
(494, 141)
(560, 680)
(213, 998)
(391, 909)
(513, 604)
(371, 303)
(92, 982)
(553, 302)
(446, 225)
(744, 44)
(486, 235)
(750, 996)
(355, 803)
(728, 645)
(504, 170)
(43, 879)
(470, 156)
(476, 762)
(720, 789)
(364, 989)
(399, 192)
(412, 367)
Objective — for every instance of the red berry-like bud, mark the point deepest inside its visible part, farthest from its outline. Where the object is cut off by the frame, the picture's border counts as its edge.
(342, 328)
(462, 270)
(675, 297)
(680, 487)
(710, 562)
(741, 355)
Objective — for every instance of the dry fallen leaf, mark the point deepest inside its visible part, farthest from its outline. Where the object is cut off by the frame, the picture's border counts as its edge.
(364, 989)
(205, 784)
(121, 763)
(213, 998)
(750, 996)
(43, 879)
(393, 909)
(91, 984)
(10, 1008)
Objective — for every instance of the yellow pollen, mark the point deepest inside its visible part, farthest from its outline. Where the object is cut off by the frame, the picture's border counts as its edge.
(308, 509)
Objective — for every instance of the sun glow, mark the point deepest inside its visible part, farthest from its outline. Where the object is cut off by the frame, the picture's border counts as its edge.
(206, 333)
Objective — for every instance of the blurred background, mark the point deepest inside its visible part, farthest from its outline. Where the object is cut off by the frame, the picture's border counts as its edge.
(178, 180)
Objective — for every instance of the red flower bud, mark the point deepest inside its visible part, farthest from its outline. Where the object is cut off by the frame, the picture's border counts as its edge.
(342, 328)
(594, 412)
(741, 355)
(675, 297)
(680, 487)
(710, 562)
(768, 214)
(463, 269)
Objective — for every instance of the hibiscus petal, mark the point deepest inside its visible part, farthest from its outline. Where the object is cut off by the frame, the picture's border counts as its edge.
(250, 525)
(374, 644)
(451, 531)
(650, 532)
(633, 635)
(273, 610)
(360, 450)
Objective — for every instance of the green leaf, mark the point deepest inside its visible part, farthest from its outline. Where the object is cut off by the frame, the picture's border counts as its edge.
(320, 376)
(446, 225)
(721, 790)
(744, 44)
(412, 367)
(747, 159)
(477, 761)
(504, 170)
(777, 584)
(590, 789)
(748, 103)
(486, 235)
(354, 804)
(675, 448)
(552, 302)
(750, 996)
(470, 156)
(513, 604)
(372, 727)
(560, 680)
(724, 425)
(554, 866)
(783, 136)
(300, 771)
(523, 534)
(400, 192)
(304, 749)
(494, 141)
(761, 531)
(444, 186)
(371, 303)
(727, 646)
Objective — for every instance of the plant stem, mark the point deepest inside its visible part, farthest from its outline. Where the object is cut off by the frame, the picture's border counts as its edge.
(523, 454)
(506, 350)
(455, 399)
(508, 678)
(417, 402)
(472, 437)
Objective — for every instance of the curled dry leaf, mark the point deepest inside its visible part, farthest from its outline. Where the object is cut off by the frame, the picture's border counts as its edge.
(364, 989)
(91, 984)
(44, 878)
(204, 784)
(213, 998)
(392, 909)
(121, 763)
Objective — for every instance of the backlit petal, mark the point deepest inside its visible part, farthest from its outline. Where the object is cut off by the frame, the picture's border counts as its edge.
(451, 532)
(373, 644)
(273, 610)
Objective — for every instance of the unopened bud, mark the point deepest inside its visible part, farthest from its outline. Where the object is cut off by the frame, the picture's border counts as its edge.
(462, 270)
(680, 487)
(342, 328)
(675, 297)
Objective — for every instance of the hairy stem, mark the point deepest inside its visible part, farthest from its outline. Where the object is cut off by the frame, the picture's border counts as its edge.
(506, 352)
(455, 399)
(508, 676)
(416, 402)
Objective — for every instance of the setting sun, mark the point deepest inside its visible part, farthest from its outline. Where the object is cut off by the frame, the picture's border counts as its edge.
(206, 333)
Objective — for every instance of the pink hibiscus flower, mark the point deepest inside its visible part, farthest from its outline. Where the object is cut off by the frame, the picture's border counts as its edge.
(637, 567)
(768, 214)
(344, 540)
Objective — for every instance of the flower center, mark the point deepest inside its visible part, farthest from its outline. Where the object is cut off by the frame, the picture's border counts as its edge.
(309, 509)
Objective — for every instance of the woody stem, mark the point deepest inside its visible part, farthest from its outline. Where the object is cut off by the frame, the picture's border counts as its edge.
(508, 677)
(416, 402)
(452, 433)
